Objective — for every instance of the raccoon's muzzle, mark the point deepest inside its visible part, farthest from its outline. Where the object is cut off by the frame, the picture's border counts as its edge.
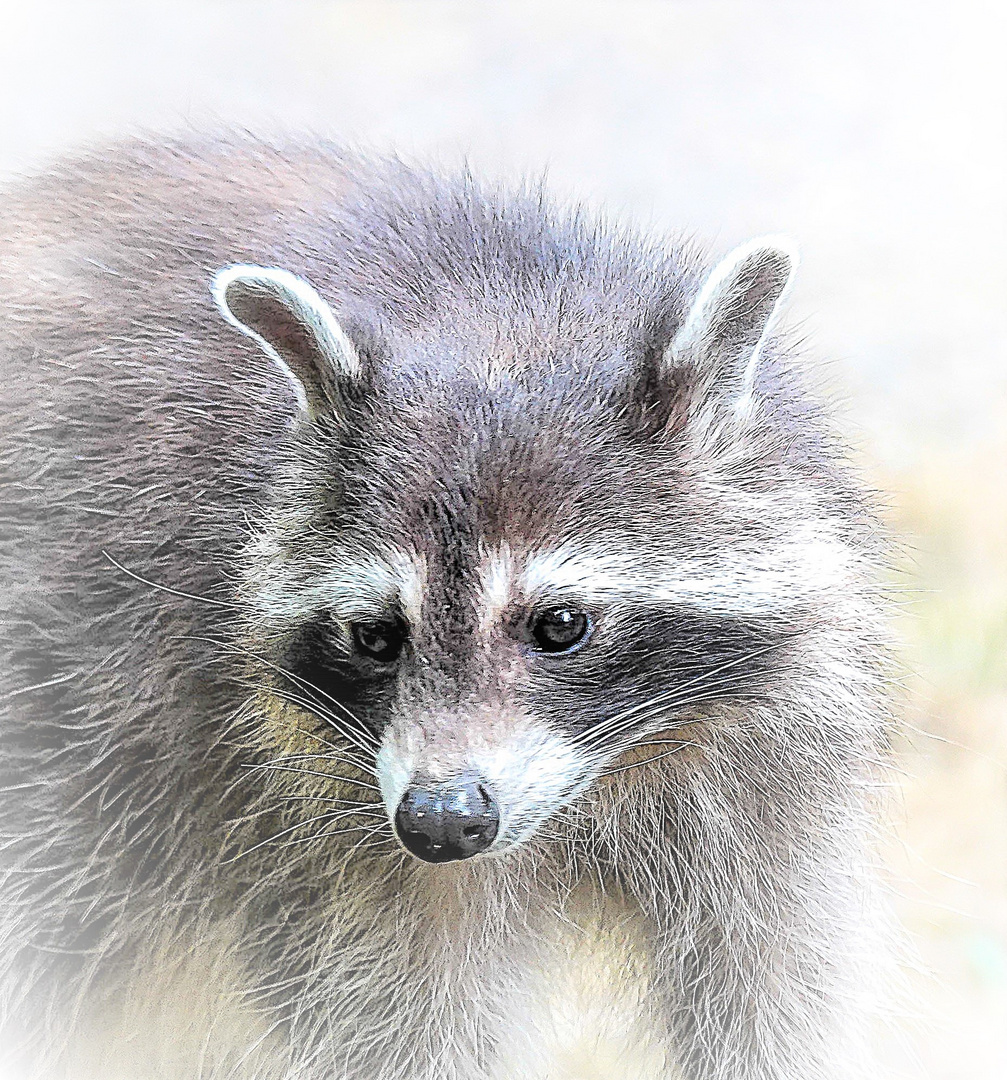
(447, 821)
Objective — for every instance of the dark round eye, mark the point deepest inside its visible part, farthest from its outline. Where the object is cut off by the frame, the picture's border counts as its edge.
(381, 641)
(559, 629)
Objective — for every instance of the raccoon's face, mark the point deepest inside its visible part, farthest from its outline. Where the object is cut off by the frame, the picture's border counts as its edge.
(497, 589)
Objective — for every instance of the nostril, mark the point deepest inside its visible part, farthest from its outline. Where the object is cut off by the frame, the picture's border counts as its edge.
(447, 821)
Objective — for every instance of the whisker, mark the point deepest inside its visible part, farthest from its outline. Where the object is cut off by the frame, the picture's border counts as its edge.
(168, 589)
(318, 710)
(659, 716)
(326, 799)
(325, 755)
(331, 745)
(361, 731)
(267, 811)
(329, 815)
(317, 737)
(341, 751)
(657, 708)
(662, 742)
(601, 728)
(650, 760)
(367, 841)
(309, 686)
(368, 829)
(314, 772)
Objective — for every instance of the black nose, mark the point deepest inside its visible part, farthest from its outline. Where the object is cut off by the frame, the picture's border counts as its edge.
(441, 822)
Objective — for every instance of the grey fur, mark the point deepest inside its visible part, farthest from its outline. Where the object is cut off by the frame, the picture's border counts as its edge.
(174, 526)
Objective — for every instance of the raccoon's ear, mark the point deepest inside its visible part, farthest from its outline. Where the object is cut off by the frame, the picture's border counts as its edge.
(730, 319)
(294, 326)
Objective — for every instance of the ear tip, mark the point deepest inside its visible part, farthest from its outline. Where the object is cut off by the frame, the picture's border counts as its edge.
(224, 278)
(778, 247)
(251, 275)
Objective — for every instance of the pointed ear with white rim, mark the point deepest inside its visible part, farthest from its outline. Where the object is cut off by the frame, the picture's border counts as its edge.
(294, 326)
(732, 317)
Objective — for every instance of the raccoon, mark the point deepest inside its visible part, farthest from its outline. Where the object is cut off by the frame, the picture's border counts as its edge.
(441, 638)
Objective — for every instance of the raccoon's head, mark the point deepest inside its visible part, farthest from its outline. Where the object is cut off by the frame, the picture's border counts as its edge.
(502, 559)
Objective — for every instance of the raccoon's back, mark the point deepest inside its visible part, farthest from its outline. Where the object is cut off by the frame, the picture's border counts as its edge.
(134, 431)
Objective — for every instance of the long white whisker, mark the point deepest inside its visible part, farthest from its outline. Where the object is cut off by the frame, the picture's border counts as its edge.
(318, 738)
(322, 715)
(329, 815)
(361, 730)
(313, 772)
(650, 760)
(167, 589)
(318, 710)
(368, 829)
(325, 755)
(658, 708)
(349, 804)
(329, 799)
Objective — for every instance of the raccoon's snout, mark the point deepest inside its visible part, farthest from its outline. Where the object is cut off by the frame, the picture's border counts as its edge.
(447, 821)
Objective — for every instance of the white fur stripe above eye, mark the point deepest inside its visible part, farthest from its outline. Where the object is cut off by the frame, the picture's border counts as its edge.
(792, 573)
(350, 587)
(496, 581)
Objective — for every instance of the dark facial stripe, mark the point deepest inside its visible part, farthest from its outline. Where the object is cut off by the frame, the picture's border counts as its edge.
(448, 528)
(326, 671)
(675, 657)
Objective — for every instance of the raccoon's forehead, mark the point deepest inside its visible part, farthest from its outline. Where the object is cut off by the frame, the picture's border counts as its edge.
(525, 448)
(472, 512)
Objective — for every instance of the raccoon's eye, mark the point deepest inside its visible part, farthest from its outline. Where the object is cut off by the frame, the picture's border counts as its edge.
(559, 629)
(381, 641)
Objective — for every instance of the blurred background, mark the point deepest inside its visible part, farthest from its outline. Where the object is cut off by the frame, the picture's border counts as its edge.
(872, 131)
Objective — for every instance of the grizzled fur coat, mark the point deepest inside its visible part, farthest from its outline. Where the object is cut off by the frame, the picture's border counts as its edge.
(304, 458)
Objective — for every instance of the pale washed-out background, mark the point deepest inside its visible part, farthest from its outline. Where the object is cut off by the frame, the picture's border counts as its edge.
(872, 131)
